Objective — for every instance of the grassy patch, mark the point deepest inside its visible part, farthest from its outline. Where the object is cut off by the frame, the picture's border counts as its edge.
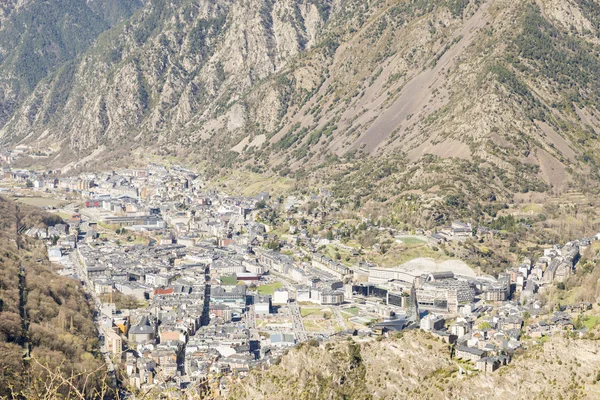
(229, 280)
(249, 183)
(313, 326)
(269, 289)
(63, 215)
(306, 311)
(411, 240)
(591, 321)
(533, 208)
(41, 201)
(351, 311)
(399, 254)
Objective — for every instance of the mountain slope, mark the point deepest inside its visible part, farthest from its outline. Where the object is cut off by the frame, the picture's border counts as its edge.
(433, 97)
(58, 322)
(418, 366)
(39, 37)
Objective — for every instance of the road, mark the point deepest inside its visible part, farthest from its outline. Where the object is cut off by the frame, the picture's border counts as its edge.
(206, 308)
(294, 311)
(287, 283)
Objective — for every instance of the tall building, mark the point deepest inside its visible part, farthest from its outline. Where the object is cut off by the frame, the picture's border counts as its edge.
(413, 306)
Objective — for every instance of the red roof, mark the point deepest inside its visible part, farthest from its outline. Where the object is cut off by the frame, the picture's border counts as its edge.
(163, 291)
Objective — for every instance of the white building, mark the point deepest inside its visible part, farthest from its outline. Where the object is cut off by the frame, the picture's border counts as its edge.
(281, 297)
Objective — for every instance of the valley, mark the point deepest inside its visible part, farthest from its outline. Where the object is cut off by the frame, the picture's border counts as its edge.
(202, 293)
(273, 199)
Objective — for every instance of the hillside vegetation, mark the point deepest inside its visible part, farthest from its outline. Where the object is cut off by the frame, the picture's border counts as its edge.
(418, 366)
(39, 38)
(58, 321)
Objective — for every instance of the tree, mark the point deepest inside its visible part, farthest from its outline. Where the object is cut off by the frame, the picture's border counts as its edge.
(485, 325)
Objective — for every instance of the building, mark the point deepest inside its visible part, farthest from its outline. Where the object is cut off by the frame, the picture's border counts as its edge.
(247, 277)
(332, 297)
(146, 221)
(113, 343)
(142, 332)
(157, 280)
(470, 353)
(432, 322)
(262, 305)
(54, 254)
(303, 293)
(490, 364)
(383, 275)
(282, 340)
(280, 297)
(236, 295)
(498, 291)
(445, 296)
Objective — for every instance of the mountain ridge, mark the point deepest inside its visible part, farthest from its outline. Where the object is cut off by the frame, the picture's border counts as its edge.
(502, 88)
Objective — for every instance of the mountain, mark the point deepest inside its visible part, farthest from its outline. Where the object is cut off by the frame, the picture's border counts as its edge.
(462, 103)
(47, 311)
(39, 38)
(418, 366)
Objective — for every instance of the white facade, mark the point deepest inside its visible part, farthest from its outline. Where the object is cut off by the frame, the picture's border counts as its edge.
(281, 297)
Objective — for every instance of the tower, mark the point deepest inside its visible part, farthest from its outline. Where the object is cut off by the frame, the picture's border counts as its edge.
(413, 305)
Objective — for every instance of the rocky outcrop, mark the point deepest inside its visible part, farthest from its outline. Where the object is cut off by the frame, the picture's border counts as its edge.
(418, 366)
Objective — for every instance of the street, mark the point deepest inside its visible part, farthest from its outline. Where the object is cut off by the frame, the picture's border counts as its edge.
(294, 311)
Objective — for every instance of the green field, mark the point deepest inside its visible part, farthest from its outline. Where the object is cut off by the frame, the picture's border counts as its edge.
(412, 240)
(533, 208)
(269, 289)
(351, 311)
(591, 321)
(306, 311)
(229, 280)
(41, 201)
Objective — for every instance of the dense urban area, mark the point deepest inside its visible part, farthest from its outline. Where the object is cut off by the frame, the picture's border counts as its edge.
(193, 287)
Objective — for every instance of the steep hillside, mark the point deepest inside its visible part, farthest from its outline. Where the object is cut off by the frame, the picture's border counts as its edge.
(419, 367)
(385, 99)
(38, 38)
(49, 312)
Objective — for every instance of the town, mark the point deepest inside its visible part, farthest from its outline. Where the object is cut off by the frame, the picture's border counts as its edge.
(194, 287)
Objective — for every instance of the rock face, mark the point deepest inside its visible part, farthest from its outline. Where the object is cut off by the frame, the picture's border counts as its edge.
(505, 90)
(419, 367)
(40, 38)
(173, 65)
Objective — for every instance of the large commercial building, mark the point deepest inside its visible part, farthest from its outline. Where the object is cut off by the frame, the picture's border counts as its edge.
(332, 297)
(444, 296)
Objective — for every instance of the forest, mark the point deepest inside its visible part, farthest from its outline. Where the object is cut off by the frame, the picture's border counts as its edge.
(43, 312)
